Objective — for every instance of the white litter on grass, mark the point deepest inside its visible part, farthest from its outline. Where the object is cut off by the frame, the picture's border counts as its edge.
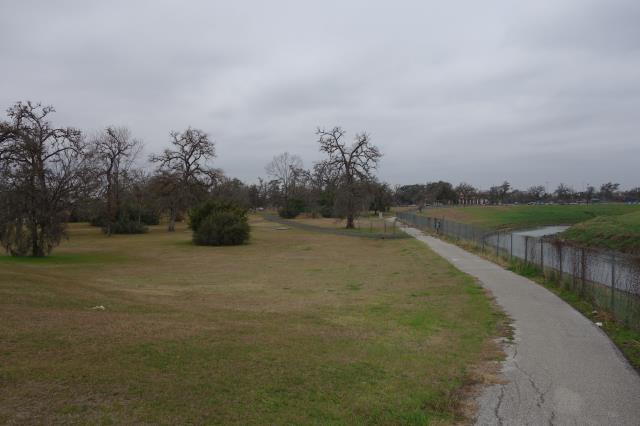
(98, 308)
(599, 324)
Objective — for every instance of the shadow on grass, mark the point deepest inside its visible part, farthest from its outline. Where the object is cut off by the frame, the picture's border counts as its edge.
(63, 259)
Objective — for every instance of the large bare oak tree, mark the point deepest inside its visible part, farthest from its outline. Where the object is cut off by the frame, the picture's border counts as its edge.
(115, 151)
(284, 168)
(42, 168)
(355, 163)
(185, 170)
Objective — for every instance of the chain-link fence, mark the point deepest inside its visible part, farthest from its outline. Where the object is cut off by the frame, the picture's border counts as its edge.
(610, 280)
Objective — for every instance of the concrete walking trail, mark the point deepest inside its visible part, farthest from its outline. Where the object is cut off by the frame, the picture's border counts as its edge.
(561, 368)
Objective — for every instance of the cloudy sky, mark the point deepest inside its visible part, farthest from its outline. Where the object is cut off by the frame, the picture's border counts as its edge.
(536, 92)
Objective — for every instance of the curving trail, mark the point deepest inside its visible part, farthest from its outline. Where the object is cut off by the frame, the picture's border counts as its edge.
(561, 368)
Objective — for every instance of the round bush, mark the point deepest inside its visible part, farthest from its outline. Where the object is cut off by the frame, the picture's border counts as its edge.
(222, 228)
(326, 211)
(219, 223)
(292, 208)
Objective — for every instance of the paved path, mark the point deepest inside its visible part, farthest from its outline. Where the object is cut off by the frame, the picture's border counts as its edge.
(561, 369)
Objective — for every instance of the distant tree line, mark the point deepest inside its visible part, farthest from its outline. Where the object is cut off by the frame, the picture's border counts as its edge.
(444, 193)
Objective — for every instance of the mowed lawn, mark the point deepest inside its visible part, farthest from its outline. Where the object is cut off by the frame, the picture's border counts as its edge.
(529, 216)
(364, 224)
(296, 327)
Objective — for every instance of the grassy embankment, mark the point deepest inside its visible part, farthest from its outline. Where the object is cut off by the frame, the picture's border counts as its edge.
(610, 226)
(294, 327)
(525, 216)
(620, 232)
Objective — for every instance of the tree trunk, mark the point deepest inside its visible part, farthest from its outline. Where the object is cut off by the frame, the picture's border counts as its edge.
(37, 245)
(350, 224)
(172, 221)
(34, 241)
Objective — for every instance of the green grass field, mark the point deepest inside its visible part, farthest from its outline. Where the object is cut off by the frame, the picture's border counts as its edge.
(529, 216)
(620, 232)
(296, 327)
(364, 226)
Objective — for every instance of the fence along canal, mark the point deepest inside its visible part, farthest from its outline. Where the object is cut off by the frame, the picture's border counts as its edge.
(610, 280)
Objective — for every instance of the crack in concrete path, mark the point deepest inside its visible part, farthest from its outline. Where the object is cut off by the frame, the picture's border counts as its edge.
(496, 412)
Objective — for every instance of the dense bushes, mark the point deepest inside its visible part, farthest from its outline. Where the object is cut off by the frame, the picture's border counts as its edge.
(219, 223)
(125, 226)
(131, 220)
(288, 213)
(326, 211)
(292, 209)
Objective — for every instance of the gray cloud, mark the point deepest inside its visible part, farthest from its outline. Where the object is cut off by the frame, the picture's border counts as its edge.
(531, 92)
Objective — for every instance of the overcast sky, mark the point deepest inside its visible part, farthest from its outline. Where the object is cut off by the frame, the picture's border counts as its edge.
(536, 92)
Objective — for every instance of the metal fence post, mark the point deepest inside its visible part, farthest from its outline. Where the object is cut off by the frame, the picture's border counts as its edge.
(498, 245)
(560, 259)
(583, 271)
(526, 248)
(511, 247)
(542, 255)
(613, 279)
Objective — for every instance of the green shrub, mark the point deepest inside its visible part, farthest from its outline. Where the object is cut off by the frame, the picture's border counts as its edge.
(143, 216)
(292, 209)
(98, 220)
(125, 226)
(288, 213)
(219, 223)
(326, 211)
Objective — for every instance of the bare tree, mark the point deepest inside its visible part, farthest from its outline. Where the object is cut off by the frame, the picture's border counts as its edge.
(284, 168)
(258, 194)
(355, 164)
(503, 191)
(589, 194)
(564, 192)
(164, 187)
(382, 197)
(465, 192)
(115, 152)
(187, 161)
(440, 192)
(42, 169)
(633, 194)
(537, 192)
(608, 190)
